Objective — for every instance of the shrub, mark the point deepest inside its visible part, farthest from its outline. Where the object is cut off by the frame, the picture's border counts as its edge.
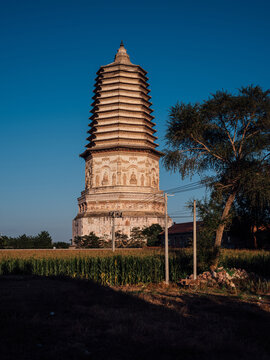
(87, 241)
(61, 245)
(151, 233)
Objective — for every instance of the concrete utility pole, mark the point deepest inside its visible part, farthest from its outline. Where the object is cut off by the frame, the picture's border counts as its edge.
(113, 233)
(166, 241)
(194, 242)
(113, 215)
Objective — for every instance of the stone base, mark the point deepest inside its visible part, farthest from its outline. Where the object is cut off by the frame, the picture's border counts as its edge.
(102, 225)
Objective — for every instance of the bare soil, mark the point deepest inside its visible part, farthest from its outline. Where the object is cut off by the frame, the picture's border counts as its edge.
(54, 318)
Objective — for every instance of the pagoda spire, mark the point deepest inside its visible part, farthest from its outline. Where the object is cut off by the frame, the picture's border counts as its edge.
(121, 55)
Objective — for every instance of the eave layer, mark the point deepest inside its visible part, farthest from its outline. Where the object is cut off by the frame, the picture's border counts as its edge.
(121, 111)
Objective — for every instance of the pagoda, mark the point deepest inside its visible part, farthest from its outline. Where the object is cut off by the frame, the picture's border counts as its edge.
(121, 160)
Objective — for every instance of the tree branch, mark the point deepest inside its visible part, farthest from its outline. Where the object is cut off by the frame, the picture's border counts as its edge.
(207, 149)
(229, 136)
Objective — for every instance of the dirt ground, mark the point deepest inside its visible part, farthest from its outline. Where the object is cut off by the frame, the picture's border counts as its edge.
(53, 318)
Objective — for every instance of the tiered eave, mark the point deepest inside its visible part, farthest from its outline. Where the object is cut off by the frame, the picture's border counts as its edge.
(121, 111)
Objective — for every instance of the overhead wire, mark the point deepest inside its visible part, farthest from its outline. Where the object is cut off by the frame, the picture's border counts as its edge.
(180, 189)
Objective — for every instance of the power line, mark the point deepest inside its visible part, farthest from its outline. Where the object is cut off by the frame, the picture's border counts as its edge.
(183, 187)
(180, 217)
(180, 189)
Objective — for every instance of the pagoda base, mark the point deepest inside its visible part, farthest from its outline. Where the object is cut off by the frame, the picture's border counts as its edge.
(101, 225)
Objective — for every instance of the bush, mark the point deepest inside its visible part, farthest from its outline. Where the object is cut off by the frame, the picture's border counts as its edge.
(151, 233)
(61, 245)
(90, 241)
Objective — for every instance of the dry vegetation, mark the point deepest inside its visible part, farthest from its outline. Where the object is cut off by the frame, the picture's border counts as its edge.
(66, 253)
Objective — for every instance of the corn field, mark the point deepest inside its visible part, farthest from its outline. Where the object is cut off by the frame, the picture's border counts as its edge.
(115, 270)
(129, 267)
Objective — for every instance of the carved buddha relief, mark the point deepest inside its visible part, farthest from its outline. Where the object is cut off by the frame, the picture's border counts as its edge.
(88, 175)
(133, 179)
(154, 179)
(119, 178)
(105, 180)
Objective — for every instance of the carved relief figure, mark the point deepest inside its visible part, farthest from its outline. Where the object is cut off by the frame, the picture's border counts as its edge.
(105, 180)
(87, 175)
(113, 179)
(142, 180)
(97, 181)
(88, 179)
(133, 179)
(119, 178)
(154, 183)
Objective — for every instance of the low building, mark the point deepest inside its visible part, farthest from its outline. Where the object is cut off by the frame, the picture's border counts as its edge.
(180, 235)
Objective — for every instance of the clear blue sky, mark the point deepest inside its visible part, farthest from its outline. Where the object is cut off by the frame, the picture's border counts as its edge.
(50, 52)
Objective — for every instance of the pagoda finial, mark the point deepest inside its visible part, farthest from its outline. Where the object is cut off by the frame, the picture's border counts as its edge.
(122, 56)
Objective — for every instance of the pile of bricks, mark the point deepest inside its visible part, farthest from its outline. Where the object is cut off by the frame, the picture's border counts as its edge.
(219, 277)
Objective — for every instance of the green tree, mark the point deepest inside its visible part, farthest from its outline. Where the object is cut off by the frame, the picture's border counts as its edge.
(137, 239)
(61, 245)
(226, 134)
(43, 240)
(253, 205)
(151, 234)
(121, 240)
(87, 241)
(136, 234)
(3, 241)
(209, 211)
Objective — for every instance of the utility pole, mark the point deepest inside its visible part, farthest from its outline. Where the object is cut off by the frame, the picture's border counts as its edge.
(113, 215)
(194, 242)
(166, 242)
(113, 233)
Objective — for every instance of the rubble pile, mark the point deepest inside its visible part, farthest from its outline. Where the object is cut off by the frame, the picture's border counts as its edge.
(219, 277)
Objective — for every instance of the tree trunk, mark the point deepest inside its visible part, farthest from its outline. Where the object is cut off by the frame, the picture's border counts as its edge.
(254, 229)
(220, 229)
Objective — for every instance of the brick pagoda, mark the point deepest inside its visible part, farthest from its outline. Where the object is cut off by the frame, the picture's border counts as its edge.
(121, 160)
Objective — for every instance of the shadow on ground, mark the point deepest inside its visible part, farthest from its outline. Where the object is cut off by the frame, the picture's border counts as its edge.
(53, 318)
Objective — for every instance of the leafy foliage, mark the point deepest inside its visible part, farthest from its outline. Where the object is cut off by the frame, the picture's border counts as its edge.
(135, 241)
(87, 241)
(42, 241)
(253, 205)
(209, 212)
(226, 134)
(151, 233)
(61, 245)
